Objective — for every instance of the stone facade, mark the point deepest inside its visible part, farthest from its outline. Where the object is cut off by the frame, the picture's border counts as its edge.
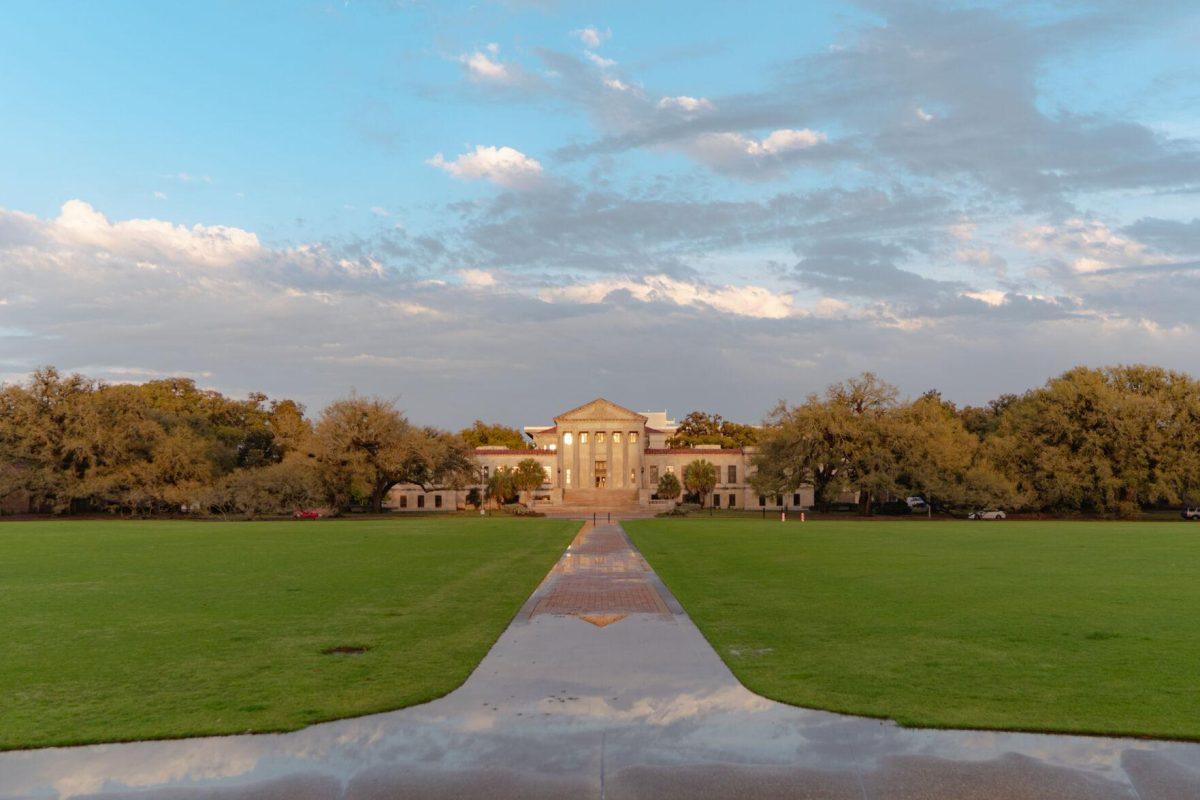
(602, 455)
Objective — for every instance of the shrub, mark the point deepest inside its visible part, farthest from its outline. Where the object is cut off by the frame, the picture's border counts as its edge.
(518, 510)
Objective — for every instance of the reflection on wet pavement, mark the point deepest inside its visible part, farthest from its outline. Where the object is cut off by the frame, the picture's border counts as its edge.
(638, 707)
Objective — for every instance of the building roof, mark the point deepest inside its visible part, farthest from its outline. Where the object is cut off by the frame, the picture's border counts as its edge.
(503, 451)
(686, 451)
(600, 409)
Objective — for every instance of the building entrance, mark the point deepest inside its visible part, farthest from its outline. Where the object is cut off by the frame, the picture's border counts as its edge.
(601, 474)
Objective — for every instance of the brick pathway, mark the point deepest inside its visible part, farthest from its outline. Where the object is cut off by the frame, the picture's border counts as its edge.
(600, 576)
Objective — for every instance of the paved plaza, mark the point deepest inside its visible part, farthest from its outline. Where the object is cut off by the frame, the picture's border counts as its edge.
(603, 688)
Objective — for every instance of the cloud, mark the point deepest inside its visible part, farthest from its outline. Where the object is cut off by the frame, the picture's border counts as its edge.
(477, 278)
(592, 37)
(485, 67)
(737, 154)
(745, 301)
(598, 60)
(688, 105)
(80, 225)
(503, 166)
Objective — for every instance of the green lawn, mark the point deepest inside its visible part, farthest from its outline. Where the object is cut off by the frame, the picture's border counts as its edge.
(134, 630)
(1087, 627)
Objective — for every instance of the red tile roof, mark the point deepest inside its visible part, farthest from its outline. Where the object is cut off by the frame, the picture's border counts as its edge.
(531, 451)
(686, 451)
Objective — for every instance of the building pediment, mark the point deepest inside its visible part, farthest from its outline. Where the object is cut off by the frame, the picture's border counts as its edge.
(599, 409)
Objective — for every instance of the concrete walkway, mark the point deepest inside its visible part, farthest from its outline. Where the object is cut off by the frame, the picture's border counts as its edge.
(603, 688)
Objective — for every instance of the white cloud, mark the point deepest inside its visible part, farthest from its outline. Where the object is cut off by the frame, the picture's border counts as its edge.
(745, 301)
(1089, 246)
(81, 225)
(505, 166)
(617, 85)
(993, 297)
(924, 115)
(736, 152)
(477, 278)
(484, 68)
(598, 60)
(592, 37)
(690, 105)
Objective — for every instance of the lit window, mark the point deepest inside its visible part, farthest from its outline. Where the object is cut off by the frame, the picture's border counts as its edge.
(547, 468)
(632, 477)
(568, 476)
(583, 438)
(632, 437)
(553, 446)
(670, 469)
(600, 437)
(616, 437)
(568, 439)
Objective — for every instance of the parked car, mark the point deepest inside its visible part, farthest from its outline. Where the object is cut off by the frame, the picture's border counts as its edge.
(994, 513)
(1192, 513)
(307, 513)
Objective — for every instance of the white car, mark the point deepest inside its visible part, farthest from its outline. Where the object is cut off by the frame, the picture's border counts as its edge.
(1191, 512)
(993, 514)
(915, 502)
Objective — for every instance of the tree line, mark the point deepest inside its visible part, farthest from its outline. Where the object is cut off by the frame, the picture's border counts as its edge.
(70, 444)
(1109, 440)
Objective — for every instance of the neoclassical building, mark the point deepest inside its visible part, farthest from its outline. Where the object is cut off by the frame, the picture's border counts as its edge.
(602, 455)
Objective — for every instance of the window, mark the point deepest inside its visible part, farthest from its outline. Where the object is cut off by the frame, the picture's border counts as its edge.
(568, 439)
(420, 501)
(553, 446)
(599, 437)
(632, 437)
(633, 477)
(762, 500)
(731, 500)
(437, 501)
(404, 501)
(796, 500)
(616, 437)
(549, 476)
(583, 438)
(654, 474)
(486, 472)
(568, 476)
(732, 471)
(716, 501)
(778, 500)
(670, 469)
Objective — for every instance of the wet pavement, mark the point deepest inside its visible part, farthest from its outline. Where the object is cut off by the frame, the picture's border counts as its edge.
(603, 688)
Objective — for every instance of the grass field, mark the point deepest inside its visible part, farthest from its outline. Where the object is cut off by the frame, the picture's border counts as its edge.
(1086, 627)
(133, 630)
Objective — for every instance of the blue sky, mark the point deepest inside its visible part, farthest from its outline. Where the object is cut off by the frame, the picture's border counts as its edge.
(671, 204)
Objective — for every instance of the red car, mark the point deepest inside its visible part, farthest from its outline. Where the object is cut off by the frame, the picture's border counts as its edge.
(307, 513)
